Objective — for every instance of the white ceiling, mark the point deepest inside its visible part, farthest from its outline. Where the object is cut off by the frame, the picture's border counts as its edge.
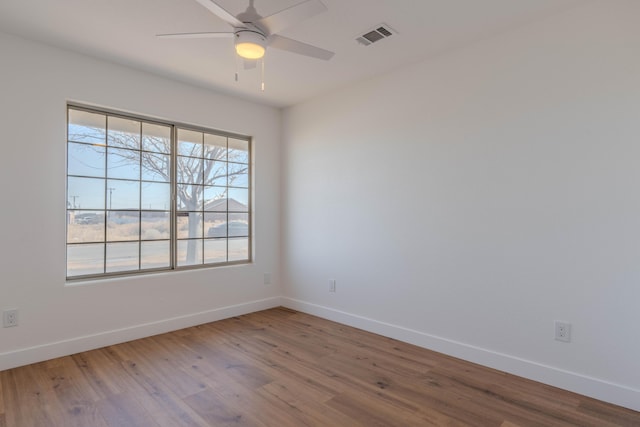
(124, 31)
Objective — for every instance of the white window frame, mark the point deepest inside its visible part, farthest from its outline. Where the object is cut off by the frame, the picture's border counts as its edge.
(222, 221)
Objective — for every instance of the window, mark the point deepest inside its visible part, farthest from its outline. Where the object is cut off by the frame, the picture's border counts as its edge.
(145, 195)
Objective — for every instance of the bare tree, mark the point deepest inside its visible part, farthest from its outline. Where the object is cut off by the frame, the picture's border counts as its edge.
(197, 166)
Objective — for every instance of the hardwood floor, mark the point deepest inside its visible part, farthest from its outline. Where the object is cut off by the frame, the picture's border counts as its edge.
(282, 368)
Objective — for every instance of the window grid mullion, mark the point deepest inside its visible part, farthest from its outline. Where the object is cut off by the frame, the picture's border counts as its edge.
(140, 200)
(173, 246)
(106, 184)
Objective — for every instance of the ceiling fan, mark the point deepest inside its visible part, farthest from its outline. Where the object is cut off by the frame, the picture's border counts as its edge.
(253, 33)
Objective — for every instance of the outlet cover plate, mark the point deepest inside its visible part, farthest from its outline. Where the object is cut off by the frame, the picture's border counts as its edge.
(563, 331)
(9, 318)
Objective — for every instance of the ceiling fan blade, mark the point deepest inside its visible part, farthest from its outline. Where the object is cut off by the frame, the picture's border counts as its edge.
(250, 64)
(194, 35)
(295, 46)
(291, 16)
(221, 13)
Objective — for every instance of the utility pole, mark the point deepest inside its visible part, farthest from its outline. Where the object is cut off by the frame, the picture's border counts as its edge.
(111, 196)
(74, 200)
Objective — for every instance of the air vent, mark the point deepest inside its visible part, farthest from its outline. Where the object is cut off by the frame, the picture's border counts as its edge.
(378, 33)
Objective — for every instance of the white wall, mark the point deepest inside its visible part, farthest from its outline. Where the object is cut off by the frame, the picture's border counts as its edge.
(466, 203)
(36, 81)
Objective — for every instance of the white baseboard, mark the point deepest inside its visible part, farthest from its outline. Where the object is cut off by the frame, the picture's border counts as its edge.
(25, 356)
(588, 386)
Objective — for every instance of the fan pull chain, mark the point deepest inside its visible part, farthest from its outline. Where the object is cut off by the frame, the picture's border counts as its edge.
(237, 59)
(262, 74)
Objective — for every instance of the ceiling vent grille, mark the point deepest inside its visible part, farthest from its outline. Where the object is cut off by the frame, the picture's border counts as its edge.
(378, 33)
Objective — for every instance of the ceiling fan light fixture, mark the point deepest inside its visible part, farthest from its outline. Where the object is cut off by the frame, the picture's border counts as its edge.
(250, 44)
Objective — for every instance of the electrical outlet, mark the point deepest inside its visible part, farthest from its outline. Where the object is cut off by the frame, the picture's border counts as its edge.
(9, 318)
(332, 285)
(267, 278)
(563, 331)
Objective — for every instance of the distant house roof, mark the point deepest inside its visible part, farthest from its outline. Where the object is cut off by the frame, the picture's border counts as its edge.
(222, 205)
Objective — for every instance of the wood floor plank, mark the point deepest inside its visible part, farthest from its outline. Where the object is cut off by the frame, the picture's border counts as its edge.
(283, 368)
(373, 413)
(167, 408)
(307, 412)
(28, 400)
(522, 407)
(124, 410)
(74, 394)
(312, 375)
(604, 412)
(151, 360)
(104, 376)
(216, 412)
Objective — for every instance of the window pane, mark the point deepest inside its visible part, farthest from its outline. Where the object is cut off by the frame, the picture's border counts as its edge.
(123, 133)
(123, 194)
(156, 167)
(189, 143)
(122, 256)
(85, 193)
(211, 220)
(238, 225)
(156, 138)
(85, 226)
(215, 250)
(189, 252)
(238, 175)
(238, 200)
(190, 197)
(123, 226)
(156, 196)
(218, 231)
(215, 199)
(238, 150)
(238, 249)
(215, 172)
(190, 225)
(155, 254)
(123, 164)
(87, 127)
(85, 160)
(215, 147)
(85, 259)
(155, 225)
(190, 170)
(218, 227)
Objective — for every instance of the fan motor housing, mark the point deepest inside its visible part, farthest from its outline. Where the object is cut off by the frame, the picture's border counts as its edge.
(250, 44)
